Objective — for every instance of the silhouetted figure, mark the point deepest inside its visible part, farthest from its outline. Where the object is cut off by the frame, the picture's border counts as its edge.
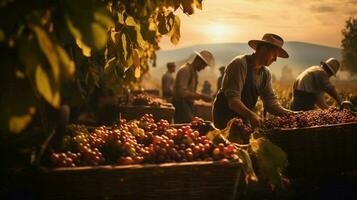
(168, 80)
(206, 89)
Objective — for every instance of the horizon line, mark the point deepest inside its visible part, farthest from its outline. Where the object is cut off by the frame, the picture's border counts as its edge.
(292, 41)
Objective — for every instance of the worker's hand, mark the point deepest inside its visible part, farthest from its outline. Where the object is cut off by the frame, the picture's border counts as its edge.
(255, 121)
(206, 98)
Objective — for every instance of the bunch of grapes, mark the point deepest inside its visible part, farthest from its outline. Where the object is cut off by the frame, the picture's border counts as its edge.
(203, 127)
(141, 141)
(312, 118)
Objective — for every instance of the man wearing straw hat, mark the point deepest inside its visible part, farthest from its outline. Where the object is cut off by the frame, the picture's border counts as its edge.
(246, 78)
(186, 84)
(310, 86)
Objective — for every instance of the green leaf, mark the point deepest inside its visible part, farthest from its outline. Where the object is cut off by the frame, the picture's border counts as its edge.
(175, 31)
(67, 65)
(139, 38)
(48, 48)
(75, 31)
(271, 160)
(247, 165)
(121, 18)
(130, 21)
(85, 49)
(87, 22)
(124, 45)
(19, 123)
(44, 88)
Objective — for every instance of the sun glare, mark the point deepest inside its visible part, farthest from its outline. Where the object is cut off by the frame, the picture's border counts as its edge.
(219, 32)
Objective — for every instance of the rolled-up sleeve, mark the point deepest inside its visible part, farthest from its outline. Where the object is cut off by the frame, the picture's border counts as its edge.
(233, 80)
(269, 98)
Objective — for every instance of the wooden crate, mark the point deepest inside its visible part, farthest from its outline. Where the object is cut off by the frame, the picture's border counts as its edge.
(190, 180)
(319, 150)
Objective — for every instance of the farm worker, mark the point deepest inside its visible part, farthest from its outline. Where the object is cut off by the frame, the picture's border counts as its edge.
(186, 84)
(206, 88)
(246, 78)
(167, 81)
(310, 86)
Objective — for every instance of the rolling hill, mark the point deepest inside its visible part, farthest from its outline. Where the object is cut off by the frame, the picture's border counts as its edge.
(302, 55)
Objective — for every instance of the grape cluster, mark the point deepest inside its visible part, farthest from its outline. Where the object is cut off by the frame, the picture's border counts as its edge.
(140, 141)
(203, 127)
(311, 118)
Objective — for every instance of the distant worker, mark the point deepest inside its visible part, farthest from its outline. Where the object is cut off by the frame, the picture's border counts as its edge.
(168, 80)
(186, 85)
(220, 78)
(310, 86)
(206, 89)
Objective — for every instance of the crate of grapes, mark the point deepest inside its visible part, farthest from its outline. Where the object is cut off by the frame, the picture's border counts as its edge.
(317, 142)
(129, 162)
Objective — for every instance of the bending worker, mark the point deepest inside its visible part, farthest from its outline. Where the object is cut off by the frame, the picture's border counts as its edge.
(310, 86)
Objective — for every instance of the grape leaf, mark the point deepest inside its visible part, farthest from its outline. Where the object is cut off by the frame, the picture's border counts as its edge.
(271, 160)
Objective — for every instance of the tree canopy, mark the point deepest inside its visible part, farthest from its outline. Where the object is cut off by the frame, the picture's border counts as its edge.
(48, 44)
(349, 45)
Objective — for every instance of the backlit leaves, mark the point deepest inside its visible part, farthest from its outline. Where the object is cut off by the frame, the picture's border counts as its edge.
(271, 160)
(43, 83)
(128, 31)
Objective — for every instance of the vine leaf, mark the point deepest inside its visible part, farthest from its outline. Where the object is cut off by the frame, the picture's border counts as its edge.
(175, 31)
(44, 88)
(271, 160)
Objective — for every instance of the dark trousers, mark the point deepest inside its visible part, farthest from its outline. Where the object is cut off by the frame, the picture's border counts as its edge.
(183, 111)
(221, 111)
(303, 101)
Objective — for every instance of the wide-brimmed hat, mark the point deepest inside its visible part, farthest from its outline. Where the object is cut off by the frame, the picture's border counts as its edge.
(272, 39)
(332, 64)
(206, 56)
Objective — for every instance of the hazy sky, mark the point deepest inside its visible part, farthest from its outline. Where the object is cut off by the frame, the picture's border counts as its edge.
(314, 21)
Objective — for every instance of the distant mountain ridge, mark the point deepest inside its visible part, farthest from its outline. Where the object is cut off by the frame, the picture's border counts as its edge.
(302, 55)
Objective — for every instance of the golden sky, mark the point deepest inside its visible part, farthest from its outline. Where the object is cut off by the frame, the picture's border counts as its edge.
(313, 21)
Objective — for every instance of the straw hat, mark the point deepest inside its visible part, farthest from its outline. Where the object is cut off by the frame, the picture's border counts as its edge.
(206, 56)
(272, 39)
(332, 64)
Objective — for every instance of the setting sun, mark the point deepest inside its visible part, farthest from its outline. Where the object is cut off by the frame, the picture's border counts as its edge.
(218, 32)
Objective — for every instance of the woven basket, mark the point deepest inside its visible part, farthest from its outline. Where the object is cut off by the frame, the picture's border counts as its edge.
(131, 112)
(318, 150)
(191, 180)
